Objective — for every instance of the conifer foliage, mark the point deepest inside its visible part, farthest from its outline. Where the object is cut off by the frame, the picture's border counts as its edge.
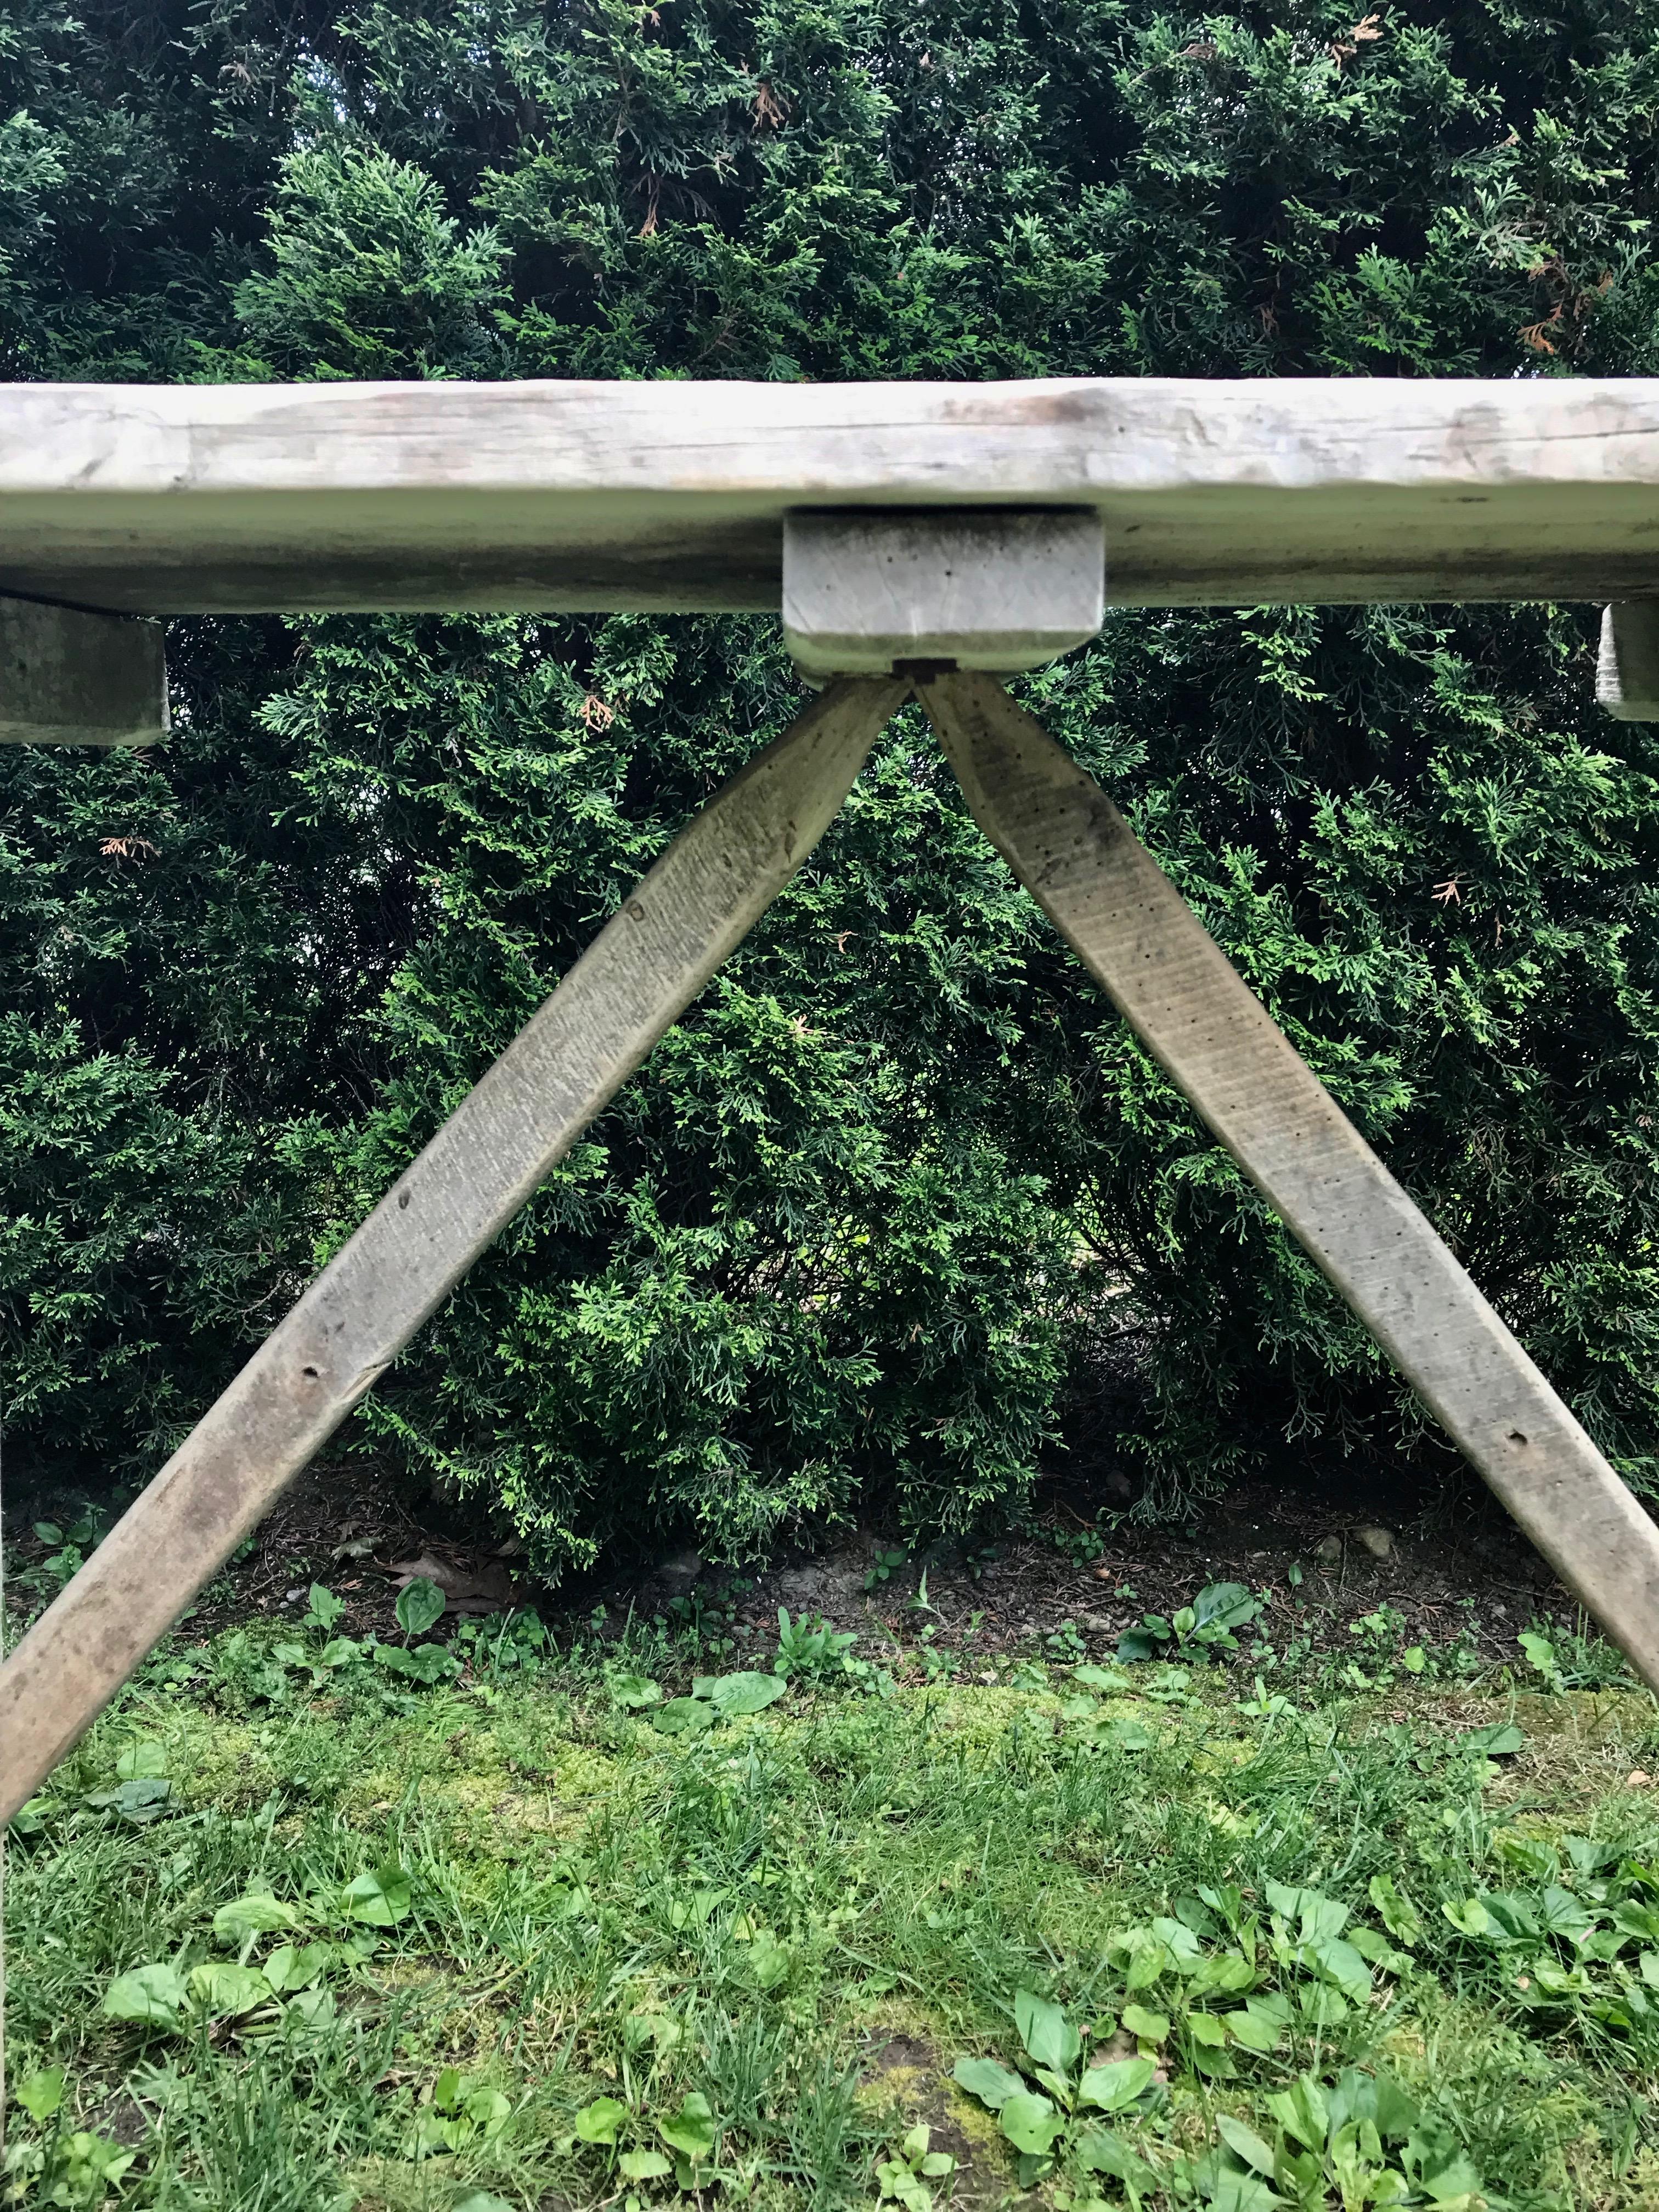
(900, 1191)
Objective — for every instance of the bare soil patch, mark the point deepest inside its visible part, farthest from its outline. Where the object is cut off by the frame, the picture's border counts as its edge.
(1311, 1546)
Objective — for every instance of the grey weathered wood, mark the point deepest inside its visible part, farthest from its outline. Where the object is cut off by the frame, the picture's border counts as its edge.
(644, 967)
(1005, 588)
(1627, 666)
(671, 496)
(1143, 944)
(72, 678)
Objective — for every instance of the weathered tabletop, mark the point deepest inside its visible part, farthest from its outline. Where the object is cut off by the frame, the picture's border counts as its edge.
(671, 497)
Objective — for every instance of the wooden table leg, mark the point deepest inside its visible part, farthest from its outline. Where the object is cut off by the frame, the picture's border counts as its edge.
(1138, 939)
(642, 970)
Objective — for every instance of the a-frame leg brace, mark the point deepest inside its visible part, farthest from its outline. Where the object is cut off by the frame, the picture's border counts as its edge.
(1139, 939)
(639, 975)
(1198, 1017)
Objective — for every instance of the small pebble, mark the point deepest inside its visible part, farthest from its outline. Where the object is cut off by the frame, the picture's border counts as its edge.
(679, 1571)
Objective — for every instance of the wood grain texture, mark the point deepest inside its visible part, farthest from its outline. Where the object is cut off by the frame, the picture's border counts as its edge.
(589, 496)
(640, 973)
(1144, 947)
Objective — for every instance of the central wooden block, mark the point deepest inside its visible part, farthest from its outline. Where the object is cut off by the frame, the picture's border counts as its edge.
(995, 588)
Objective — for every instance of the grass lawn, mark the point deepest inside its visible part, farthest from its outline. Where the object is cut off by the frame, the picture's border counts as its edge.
(300, 1927)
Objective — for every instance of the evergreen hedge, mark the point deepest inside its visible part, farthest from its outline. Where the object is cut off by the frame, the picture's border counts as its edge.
(900, 1190)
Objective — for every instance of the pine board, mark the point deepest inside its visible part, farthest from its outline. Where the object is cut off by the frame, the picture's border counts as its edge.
(671, 497)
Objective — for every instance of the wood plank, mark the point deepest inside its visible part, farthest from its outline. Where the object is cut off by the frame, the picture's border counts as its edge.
(1627, 666)
(70, 679)
(1143, 944)
(638, 975)
(588, 496)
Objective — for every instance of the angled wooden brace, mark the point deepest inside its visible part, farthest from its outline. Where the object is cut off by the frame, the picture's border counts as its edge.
(1142, 943)
(646, 966)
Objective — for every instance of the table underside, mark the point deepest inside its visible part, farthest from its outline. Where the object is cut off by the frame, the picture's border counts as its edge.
(669, 497)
